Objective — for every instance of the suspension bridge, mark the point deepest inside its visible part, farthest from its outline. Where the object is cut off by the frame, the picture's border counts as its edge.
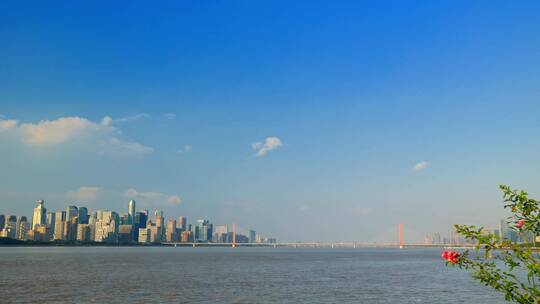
(400, 244)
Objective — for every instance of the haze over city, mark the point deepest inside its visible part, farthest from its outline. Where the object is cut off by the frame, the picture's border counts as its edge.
(321, 122)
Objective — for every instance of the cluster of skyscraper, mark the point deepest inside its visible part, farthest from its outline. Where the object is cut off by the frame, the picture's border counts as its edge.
(77, 225)
(504, 231)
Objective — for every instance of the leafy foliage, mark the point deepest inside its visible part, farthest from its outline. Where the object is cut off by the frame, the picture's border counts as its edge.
(509, 267)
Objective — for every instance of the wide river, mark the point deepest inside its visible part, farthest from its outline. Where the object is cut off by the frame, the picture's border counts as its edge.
(226, 275)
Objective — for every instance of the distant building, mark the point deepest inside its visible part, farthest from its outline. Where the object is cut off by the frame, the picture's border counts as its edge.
(83, 215)
(185, 236)
(11, 227)
(22, 227)
(155, 233)
(40, 214)
(72, 212)
(170, 231)
(59, 219)
(144, 235)
(106, 227)
(182, 223)
(125, 219)
(220, 234)
(125, 234)
(252, 236)
(84, 233)
(131, 211)
(204, 231)
(2, 221)
(40, 233)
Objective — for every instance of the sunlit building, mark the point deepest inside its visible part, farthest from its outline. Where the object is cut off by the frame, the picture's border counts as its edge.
(106, 226)
(40, 214)
(144, 235)
(131, 211)
(59, 219)
(170, 231)
(84, 233)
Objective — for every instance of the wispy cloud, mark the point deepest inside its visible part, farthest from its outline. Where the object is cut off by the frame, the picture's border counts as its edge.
(185, 149)
(421, 166)
(270, 143)
(63, 130)
(85, 194)
(153, 198)
(169, 116)
(132, 118)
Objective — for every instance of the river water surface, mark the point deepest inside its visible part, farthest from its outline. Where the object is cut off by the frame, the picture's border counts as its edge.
(226, 275)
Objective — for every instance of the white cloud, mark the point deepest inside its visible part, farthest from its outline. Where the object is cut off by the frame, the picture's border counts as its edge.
(117, 147)
(270, 143)
(132, 118)
(153, 198)
(58, 131)
(101, 135)
(169, 116)
(106, 121)
(7, 124)
(174, 200)
(185, 149)
(421, 166)
(85, 194)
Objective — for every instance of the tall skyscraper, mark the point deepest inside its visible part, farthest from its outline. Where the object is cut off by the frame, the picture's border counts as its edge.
(71, 212)
(59, 219)
(83, 215)
(40, 214)
(22, 227)
(170, 232)
(252, 236)
(106, 226)
(182, 223)
(204, 231)
(2, 221)
(131, 211)
(50, 223)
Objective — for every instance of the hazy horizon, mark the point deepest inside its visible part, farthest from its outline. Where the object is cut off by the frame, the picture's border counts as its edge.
(304, 121)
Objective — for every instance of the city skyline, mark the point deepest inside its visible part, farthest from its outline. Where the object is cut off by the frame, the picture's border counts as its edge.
(352, 117)
(78, 225)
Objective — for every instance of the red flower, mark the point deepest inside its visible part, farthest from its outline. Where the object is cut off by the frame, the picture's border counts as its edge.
(520, 223)
(450, 256)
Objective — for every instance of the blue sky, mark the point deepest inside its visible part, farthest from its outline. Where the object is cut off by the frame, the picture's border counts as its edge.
(164, 102)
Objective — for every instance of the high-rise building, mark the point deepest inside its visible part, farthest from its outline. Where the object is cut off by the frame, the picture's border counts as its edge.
(59, 220)
(72, 212)
(22, 227)
(131, 211)
(2, 221)
(144, 235)
(159, 222)
(83, 215)
(106, 226)
(10, 226)
(170, 231)
(40, 214)
(155, 234)
(140, 219)
(84, 233)
(182, 223)
(203, 231)
(125, 234)
(185, 236)
(125, 219)
(252, 236)
(220, 234)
